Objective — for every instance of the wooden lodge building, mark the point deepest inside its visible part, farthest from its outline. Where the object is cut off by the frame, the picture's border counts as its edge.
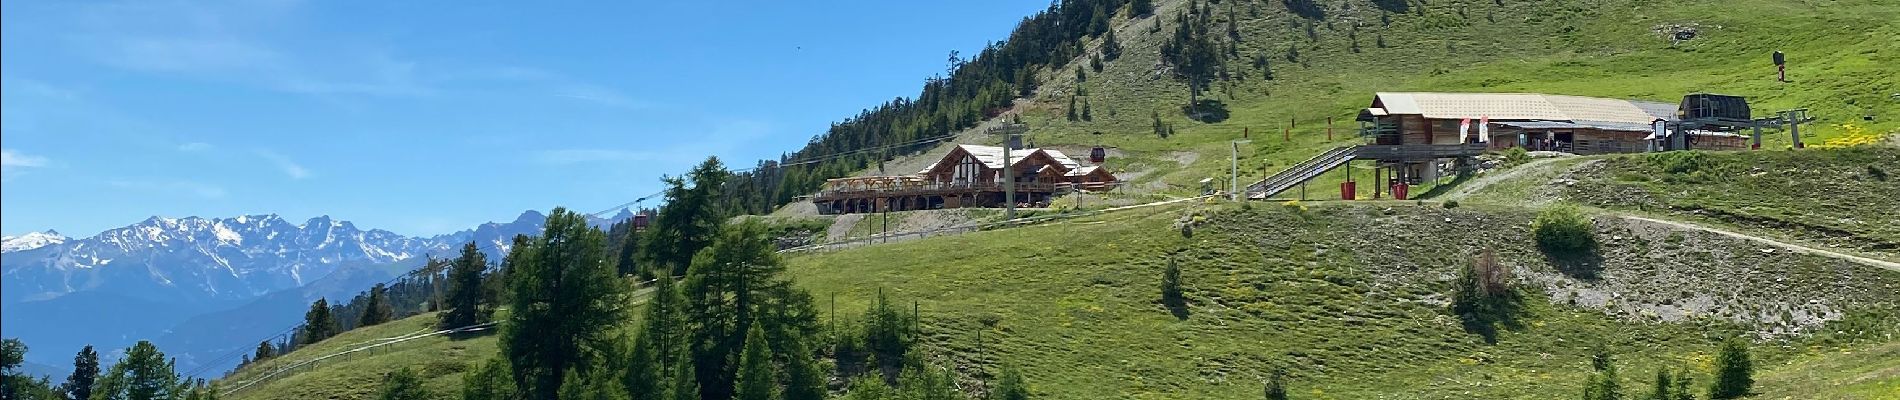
(1415, 137)
(968, 176)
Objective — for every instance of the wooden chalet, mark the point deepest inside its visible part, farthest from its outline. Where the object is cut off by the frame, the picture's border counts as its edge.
(968, 176)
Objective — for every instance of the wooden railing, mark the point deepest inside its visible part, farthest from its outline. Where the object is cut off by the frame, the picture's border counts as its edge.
(936, 188)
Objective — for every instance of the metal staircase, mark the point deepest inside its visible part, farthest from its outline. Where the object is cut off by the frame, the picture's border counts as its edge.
(1301, 172)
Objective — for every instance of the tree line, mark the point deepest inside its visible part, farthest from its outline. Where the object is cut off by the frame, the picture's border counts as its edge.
(971, 90)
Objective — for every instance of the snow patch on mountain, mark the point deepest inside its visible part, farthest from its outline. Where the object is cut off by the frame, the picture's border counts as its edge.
(31, 241)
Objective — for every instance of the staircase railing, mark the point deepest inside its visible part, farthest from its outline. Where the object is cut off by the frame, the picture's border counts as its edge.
(1301, 172)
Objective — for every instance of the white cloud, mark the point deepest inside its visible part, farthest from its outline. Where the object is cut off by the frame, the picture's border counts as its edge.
(290, 167)
(194, 147)
(199, 189)
(10, 159)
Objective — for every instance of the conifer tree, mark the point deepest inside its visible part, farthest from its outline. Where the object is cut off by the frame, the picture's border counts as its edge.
(376, 311)
(264, 350)
(732, 285)
(1663, 382)
(689, 221)
(85, 372)
(317, 323)
(566, 301)
(1072, 115)
(490, 381)
(1734, 371)
(664, 328)
(1276, 385)
(465, 288)
(869, 388)
(1603, 385)
(1684, 386)
(1111, 47)
(1010, 387)
(643, 378)
(803, 378)
(757, 379)
(1140, 8)
(684, 385)
(1171, 295)
(1080, 75)
(1087, 115)
(403, 384)
(144, 374)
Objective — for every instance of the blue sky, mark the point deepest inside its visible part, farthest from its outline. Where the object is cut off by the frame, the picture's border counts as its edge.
(429, 117)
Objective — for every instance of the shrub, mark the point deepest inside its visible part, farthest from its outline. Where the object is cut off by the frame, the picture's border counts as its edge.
(1681, 162)
(1451, 204)
(1564, 230)
(1171, 286)
(1734, 371)
(1516, 156)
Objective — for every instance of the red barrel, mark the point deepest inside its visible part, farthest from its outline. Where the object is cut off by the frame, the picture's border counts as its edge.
(1398, 191)
(1348, 190)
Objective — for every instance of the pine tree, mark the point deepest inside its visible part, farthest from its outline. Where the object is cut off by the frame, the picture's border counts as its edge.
(85, 372)
(643, 368)
(1081, 75)
(1603, 385)
(869, 388)
(804, 380)
(684, 385)
(1663, 382)
(1111, 47)
(689, 221)
(144, 374)
(376, 311)
(1095, 62)
(403, 384)
(490, 381)
(664, 328)
(465, 288)
(1734, 371)
(1141, 8)
(584, 386)
(1010, 387)
(1684, 383)
(757, 379)
(1087, 115)
(1276, 385)
(566, 301)
(317, 323)
(264, 350)
(732, 285)
(1072, 116)
(1171, 295)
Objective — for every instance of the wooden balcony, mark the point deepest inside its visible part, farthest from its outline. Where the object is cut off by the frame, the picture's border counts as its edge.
(1417, 152)
(933, 189)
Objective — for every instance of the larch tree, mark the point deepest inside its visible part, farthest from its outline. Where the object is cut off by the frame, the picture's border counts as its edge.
(689, 221)
(403, 384)
(318, 324)
(85, 372)
(757, 379)
(1734, 371)
(375, 311)
(264, 350)
(566, 300)
(465, 288)
(1010, 386)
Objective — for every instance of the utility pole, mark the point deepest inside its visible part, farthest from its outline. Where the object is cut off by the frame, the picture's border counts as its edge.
(1009, 131)
(1235, 176)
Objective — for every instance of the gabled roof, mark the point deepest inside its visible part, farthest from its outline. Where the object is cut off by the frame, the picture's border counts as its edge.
(992, 156)
(1523, 107)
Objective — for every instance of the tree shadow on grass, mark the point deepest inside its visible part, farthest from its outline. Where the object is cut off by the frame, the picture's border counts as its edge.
(1207, 110)
(1180, 312)
(1583, 264)
(1486, 320)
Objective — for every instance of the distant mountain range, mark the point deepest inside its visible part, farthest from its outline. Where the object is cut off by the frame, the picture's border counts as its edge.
(199, 284)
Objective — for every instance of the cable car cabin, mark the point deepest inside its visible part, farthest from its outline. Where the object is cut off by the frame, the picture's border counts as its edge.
(641, 220)
(1098, 155)
(1713, 108)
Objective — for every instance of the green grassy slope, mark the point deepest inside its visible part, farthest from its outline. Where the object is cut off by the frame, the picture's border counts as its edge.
(1349, 299)
(1844, 65)
(1842, 199)
(439, 360)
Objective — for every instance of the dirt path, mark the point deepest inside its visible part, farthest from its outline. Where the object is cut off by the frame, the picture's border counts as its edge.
(1482, 182)
(1888, 265)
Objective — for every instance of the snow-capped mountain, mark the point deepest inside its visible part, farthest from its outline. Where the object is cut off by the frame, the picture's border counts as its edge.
(195, 259)
(31, 241)
(142, 280)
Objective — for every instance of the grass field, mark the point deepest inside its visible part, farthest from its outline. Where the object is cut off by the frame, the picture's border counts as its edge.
(439, 360)
(1330, 295)
(1844, 65)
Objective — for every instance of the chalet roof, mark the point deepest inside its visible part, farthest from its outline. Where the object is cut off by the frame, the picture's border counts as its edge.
(1618, 113)
(992, 156)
